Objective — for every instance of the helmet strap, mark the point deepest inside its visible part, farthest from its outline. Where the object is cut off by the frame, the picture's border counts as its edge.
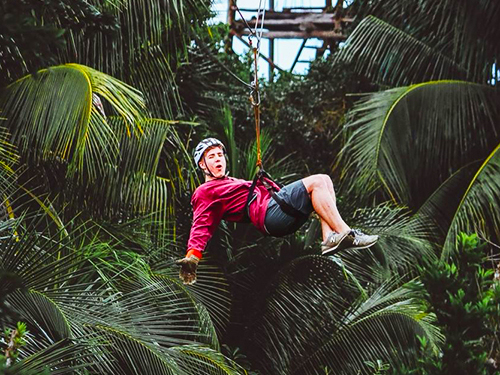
(208, 172)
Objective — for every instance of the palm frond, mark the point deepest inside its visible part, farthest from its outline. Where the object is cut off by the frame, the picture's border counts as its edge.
(51, 117)
(465, 32)
(440, 208)
(403, 241)
(8, 152)
(154, 76)
(42, 315)
(378, 328)
(63, 357)
(467, 202)
(116, 54)
(196, 360)
(452, 122)
(41, 259)
(210, 291)
(311, 321)
(126, 354)
(393, 57)
(131, 183)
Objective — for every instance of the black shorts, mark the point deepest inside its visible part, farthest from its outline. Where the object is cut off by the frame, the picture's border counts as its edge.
(277, 222)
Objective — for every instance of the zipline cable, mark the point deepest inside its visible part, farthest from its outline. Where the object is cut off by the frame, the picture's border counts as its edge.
(205, 47)
(255, 94)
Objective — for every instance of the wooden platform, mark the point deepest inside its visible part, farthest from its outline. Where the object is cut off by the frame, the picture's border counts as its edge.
(291, 23)
(326, 23)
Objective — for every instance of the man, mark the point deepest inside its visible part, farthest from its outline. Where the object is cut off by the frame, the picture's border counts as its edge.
(275, 214)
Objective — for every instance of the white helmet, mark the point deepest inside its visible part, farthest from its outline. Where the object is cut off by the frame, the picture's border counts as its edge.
(202, 147)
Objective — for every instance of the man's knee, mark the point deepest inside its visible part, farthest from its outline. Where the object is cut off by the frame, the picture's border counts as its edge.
(323, 180)
(317, 181)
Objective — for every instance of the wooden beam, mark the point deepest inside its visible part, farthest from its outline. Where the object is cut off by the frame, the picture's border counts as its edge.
(301, 8)
(280, 17)
(271, 57)
(320, 19)
(298, 55)
(320, 34)
(287, 10)
(231, 13)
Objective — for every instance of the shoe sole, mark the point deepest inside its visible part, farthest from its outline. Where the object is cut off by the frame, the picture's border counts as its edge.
(334, 250)
(361, 247)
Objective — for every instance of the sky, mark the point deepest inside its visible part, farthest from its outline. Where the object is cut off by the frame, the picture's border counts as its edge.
(285, 50)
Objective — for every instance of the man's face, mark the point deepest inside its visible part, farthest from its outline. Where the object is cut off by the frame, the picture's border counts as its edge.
(215, 161)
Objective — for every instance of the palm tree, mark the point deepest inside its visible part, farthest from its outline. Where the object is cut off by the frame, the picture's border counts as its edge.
(98, 291)
(125, 320)
(80, 158)
(432, 145)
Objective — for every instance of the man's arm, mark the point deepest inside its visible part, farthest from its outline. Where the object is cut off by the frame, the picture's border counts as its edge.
(207, 214)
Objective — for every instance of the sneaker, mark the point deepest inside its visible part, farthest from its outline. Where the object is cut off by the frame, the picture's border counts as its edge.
(333, 242)
(359, 240)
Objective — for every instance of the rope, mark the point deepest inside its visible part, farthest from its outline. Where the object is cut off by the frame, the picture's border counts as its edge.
(255, 100)
(255, 94)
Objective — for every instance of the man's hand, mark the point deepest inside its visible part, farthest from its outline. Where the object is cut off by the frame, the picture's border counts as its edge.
(187, 273)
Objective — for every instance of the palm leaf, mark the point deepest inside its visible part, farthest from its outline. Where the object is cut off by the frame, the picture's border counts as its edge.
(466, 32)
(154, 76)
(391, 56)
(51, 116)
(167, 25)
(131, 183)
(467, 202)
(42, 315)
(403, 240)
(311, 321)
(456, 127)
(128, 355)
(210, 291)
(195, 360)
(8, 152)
(378, 328)
(41, 260)
(62, 357)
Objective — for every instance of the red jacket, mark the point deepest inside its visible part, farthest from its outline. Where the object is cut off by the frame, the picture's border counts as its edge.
(224, 198)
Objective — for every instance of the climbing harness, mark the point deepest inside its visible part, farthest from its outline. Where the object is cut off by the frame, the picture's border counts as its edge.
(261, 174)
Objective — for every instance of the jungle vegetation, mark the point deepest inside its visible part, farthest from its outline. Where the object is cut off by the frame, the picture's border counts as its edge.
(101, 103)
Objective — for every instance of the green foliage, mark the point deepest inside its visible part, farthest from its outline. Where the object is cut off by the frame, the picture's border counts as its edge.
(401, 42)
(72, 148)
(464, 297)
(87, 305)
(13, 340)
(309, 112)
(458, 127)
(32, 33)
(379, 367)
(104, 296)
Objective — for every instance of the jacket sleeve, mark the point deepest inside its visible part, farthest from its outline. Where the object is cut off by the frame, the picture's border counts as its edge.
(207, 215)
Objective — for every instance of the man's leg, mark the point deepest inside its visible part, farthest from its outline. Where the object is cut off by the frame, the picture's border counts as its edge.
(320, 188)
(334, 228)
(325, 229)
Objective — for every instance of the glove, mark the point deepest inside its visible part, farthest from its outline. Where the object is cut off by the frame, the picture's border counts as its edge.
(187, 273)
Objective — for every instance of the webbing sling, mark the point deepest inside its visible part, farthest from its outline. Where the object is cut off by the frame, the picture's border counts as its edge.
(288, 209)
(255, 100)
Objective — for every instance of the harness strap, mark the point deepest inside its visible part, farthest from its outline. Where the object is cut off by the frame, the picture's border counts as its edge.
(287, 208)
